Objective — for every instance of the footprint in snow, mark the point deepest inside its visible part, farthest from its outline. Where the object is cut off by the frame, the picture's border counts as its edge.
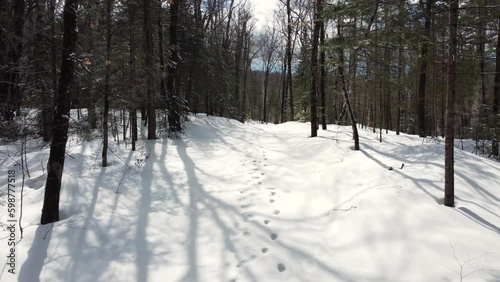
(246, 206)
(273, 193)
(274, 236)
(266, 222)
(281, 267)
(264, 250)
(262, 173)
(276, 212)
(271, 201)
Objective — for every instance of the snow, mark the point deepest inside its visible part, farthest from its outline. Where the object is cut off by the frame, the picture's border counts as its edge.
(251, 202)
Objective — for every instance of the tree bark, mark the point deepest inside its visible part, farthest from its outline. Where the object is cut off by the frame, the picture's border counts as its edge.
(422, 132)
(161, 55)
(175, 101)
(314, 68)
(322, 75)
(289, 57)
(400, 65)
(107, 85)
(55, 165)
(496, 93)
(132, 90)
(148, 50)
(449, 181)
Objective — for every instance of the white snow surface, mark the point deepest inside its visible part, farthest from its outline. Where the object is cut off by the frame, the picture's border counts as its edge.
(228, 201)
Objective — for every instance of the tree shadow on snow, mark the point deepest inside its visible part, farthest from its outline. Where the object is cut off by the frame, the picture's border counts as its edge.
(37, 254)
(418, 181)
(203, 203)
(479, 220)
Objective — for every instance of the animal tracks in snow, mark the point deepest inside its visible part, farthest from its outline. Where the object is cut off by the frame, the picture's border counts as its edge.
(252, 201)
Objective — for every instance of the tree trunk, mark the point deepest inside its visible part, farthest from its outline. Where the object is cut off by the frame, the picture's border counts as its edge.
(400, 65)
(107, 85)
(264, 100)
(284, 91)
(163, 89)
(314, 68)
(322, 75)
(289, 57)
(422, 132)
(55, 165)
(148, 50)
(132, 90)
(496, 92)
(175, 101)
(449, 173)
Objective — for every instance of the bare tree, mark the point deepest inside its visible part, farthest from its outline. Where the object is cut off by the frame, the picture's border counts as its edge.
(449, 172)
(107, 84)
(148, 63)
(423, 70)
(314, 68)
(55, 165)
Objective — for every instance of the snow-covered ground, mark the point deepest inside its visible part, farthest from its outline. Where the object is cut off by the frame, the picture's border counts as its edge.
(252, 202)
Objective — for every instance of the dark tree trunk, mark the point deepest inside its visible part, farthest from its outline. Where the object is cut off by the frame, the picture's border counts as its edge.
(55, 165)
(322, 76)
(496, 92)
(400, 66)
(107, 85)
(148, 50)
(449, 173)
(90, 87)
(284, 92)
(175, 103)
(163, 89)
(132, 90)
(289, 57)
(133, 127)
(422, 132)
(314, 68)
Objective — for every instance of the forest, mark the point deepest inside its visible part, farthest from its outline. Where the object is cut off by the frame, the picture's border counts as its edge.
(144, 87)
